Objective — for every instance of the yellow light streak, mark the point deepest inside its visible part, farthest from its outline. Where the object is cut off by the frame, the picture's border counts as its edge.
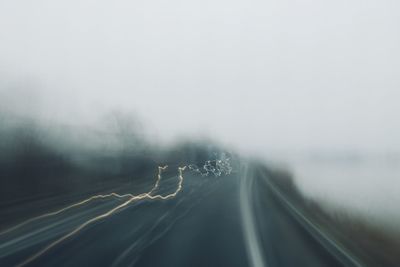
(80, 203)
(221, 167)
(112, 211)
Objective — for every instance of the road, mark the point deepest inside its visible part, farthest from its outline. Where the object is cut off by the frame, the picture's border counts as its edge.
(235, 220)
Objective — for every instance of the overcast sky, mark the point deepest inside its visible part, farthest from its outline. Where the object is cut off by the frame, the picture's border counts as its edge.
(258, 74)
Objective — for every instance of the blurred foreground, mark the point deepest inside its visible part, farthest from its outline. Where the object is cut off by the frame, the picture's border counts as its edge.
(250, 215)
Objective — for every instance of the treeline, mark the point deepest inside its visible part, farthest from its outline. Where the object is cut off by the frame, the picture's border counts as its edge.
(39, 160)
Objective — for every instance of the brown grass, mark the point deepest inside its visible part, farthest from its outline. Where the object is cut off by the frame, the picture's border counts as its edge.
(373, 245)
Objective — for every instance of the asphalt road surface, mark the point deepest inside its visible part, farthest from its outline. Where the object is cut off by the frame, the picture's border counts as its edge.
(235, 220)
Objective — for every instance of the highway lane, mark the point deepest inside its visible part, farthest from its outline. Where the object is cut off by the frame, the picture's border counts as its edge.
(287, 237)
(242, 223)
(234, 220)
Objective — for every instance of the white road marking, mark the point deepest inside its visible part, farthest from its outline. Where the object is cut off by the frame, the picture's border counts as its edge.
(250, 232)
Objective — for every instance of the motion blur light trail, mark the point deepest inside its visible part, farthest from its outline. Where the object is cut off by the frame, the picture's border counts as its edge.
(64, 209)
(112, 211)
(113, 194)
(221, 167)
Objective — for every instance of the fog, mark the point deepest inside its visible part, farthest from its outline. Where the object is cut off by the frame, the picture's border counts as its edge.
(277, 74)
(271, 78)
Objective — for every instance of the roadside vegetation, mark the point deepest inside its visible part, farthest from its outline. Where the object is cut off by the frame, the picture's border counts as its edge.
(372, 245)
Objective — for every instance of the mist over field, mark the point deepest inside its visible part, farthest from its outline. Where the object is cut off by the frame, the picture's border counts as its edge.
(260, 75)
(366, 187)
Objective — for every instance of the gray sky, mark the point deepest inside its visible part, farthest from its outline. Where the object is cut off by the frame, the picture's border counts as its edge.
(257, 74)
